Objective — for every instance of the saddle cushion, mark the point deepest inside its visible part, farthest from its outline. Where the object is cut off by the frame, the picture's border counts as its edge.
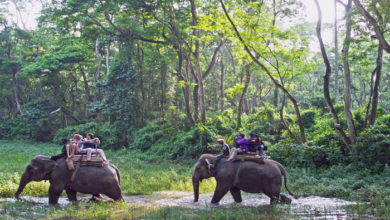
(248, 157)
(83, 157)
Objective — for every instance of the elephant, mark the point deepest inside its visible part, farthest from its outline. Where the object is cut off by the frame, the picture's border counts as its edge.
(88, 179)
(249, 176)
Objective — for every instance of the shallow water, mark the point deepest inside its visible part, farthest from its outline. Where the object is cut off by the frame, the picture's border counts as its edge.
(313, 207)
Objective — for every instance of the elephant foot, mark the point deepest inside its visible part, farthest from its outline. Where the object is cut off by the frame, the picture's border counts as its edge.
(285, 199)
(214, 204)
(75, 202)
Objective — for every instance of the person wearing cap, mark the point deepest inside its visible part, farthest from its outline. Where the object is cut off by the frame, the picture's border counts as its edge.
(225, 152)
(242, 143)
(225, 148)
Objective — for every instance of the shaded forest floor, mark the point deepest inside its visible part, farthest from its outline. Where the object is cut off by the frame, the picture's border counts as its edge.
(140, 176)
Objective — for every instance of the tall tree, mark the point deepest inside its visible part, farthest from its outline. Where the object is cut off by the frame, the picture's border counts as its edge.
(336, 121)
(336, 55)
(347, 75)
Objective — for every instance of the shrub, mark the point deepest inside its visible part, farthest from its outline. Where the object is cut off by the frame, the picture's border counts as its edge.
(36, 123)
(373, 147)
(308, 118)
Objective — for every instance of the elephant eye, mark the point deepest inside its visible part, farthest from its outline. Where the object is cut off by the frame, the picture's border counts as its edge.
(29, 169)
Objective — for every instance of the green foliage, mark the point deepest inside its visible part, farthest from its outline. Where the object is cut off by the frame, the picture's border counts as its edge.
(306, 155)
(165, 141)
(309, 118)
(36, 123)
(373, 147)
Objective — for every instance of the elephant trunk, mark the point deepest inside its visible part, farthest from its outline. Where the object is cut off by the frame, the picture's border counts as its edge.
(24, 180)
(195, 184)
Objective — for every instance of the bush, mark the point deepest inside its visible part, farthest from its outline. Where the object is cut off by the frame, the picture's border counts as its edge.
(373, 147)
(167, 142)
(308, 118)
(36, 123)
(307, 155)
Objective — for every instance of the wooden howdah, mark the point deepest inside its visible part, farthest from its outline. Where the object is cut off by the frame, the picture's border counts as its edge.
(96, 160)
(248, 157)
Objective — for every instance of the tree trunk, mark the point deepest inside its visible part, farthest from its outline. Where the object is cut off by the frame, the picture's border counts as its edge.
(99, 64)
(328, 101)
(347, 76)
(16, 89)
(241, 103)
(185, 88)
(163, 86)
(281, 114)
(186, 91)
(195, 95)
(198, 72)
(375, 95)
(222, 87)
(276, 97)
(200, 77)
(86, 85)
(15, 82)
(336, 55)
(254, 97)
(369, 98)
(108, 58)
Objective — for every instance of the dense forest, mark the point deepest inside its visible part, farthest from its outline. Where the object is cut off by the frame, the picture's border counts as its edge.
(172, 76)
(164, 79)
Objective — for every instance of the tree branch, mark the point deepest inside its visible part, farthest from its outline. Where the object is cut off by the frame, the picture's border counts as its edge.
(342, 3)
(372, 21)
(213, 59)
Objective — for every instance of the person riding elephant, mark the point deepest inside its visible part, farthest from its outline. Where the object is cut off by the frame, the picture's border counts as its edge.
(242, 143)
(256, 145)
(248, 176)
(88, 179)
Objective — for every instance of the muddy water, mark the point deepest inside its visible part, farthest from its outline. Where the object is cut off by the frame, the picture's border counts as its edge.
(312, 207)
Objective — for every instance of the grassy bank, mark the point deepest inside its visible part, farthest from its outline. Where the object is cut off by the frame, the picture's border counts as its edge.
(142, 175)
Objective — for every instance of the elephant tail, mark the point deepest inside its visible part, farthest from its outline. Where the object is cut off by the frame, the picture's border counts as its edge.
(117, 172)
(285, 180)
(119, 176)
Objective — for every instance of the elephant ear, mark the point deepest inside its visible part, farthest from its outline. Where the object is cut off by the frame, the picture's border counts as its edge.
(48, 166)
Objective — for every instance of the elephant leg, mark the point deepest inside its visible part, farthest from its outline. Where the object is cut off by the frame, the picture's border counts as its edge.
(274, 199)
(97, 196)
(54, 195)
(114, 193)
(236, 193)
(219, 192)
(285, 199)
(72, 195)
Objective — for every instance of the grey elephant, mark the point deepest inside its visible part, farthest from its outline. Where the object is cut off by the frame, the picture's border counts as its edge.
(88, 179)
(249, 176)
